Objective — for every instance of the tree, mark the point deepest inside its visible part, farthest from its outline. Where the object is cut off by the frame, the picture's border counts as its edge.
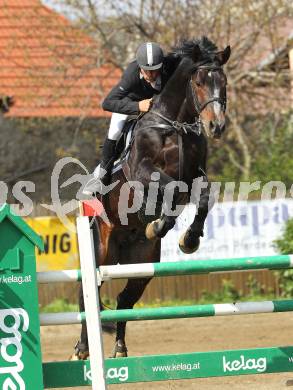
(254, 29)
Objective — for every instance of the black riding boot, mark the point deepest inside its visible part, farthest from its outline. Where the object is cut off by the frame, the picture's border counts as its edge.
(107, 160)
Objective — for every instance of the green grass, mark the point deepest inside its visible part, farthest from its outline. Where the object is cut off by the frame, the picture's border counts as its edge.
(226, 295)
(59, 306)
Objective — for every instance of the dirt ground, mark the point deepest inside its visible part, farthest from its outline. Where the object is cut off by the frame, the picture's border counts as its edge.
(189, 335)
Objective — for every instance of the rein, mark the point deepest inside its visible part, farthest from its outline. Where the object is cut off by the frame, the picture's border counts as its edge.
(179, 126)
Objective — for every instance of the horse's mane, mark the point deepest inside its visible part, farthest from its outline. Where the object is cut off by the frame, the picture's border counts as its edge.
(185, 47)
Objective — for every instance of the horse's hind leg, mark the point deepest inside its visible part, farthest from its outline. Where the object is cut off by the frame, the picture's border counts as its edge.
(126, 300)
(82, 347)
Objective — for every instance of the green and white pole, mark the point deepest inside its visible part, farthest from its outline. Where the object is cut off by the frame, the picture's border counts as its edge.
(189, 267)
(195, 267)
(163, 313)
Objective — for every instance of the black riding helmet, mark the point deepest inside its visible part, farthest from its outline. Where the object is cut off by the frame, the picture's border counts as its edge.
(149, 56)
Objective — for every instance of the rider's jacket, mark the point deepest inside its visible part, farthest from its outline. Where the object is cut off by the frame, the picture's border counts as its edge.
(132, 88)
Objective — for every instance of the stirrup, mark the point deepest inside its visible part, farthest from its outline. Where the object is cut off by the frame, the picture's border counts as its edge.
(96, 184)
(99, 172)
(103, 173)
(93, 186)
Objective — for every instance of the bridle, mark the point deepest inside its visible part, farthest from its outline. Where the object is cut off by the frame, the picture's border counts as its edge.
(200, 107)
(196, 126)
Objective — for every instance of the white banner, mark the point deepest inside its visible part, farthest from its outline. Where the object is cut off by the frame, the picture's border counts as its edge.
(232, 229)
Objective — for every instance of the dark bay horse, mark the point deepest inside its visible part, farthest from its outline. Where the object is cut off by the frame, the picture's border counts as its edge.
(170, 146)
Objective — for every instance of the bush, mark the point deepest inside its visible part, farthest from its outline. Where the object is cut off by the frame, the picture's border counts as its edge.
(285, 246)
(285, 243)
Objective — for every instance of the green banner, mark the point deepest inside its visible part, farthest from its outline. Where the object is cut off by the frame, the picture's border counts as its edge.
(167, 367)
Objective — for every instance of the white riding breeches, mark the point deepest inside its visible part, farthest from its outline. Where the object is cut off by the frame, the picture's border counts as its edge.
(116, 125)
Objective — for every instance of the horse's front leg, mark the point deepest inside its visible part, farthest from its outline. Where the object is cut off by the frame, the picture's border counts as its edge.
(126, 300)
(160, 227)
(146, 173)
(189, 242)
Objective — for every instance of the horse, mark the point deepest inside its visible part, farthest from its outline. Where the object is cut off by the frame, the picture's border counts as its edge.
(169, 146)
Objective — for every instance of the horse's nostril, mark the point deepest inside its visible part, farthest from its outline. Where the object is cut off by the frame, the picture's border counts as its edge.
(212, 125)
(217, 132)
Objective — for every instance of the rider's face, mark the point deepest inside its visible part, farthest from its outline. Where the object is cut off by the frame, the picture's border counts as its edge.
(150, 75)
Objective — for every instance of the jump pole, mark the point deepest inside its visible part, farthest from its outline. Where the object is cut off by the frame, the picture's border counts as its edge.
(176, 268)
(163, 313)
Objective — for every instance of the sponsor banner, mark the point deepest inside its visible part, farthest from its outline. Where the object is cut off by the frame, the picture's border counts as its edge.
(20, 351)
(232, 229)
(12, 365)
(61, 251)
(178, 366)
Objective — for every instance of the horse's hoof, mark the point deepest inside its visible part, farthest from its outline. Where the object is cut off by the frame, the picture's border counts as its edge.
(120, 350)
(150, 231)
(78, 355)
(81, 352)
(188, 244)
(119, 354)
(158, 228)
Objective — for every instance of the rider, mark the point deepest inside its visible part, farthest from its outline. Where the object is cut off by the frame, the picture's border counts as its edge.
(143, 78)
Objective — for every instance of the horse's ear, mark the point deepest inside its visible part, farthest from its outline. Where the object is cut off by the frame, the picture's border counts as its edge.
(196, 53)
(223, 56)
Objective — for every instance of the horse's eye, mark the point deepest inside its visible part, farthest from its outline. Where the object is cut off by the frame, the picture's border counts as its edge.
(196, 82)
(200, 78)
(199, 81)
